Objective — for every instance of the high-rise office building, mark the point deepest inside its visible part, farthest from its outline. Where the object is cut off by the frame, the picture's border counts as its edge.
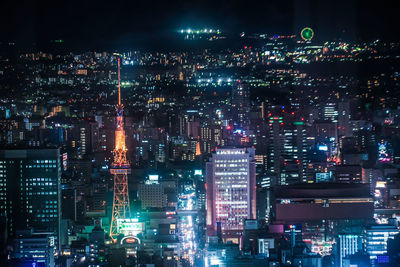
(344, 119)
(89, 137)
(231, 191)
(240, 105)
(288, 150)
(30, 189)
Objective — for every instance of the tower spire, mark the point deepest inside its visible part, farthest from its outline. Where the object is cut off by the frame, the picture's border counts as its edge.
(119, 82)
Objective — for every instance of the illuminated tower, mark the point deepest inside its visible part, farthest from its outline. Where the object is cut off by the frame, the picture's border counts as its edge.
(198, 151)
(120, 168)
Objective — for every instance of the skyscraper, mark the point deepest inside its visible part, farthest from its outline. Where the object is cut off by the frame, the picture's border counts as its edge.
(344, 119)
(30, 189)
(231, 191)
(240, 105)
(287, 150)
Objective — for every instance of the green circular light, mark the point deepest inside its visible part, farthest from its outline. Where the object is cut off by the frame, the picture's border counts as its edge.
(307, 34)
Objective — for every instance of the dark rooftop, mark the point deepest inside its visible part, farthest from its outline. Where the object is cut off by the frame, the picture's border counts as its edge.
(323, 190)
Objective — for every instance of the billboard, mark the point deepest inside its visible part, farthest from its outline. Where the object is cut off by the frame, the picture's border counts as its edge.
(65, 161)
(323, 148)
(129, 226)
(250, 224)
(130, 240)
(153, 177)
(322, 177)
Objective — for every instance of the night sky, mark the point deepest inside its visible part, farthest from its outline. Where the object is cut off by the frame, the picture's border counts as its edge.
(149, 21)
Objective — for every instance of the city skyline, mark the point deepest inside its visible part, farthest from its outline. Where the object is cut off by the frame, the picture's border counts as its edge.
(204, 134)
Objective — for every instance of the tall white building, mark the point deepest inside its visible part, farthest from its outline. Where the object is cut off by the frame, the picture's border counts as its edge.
(231, 191)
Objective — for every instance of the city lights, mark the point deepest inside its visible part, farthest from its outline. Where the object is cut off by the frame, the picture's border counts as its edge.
(188, 134)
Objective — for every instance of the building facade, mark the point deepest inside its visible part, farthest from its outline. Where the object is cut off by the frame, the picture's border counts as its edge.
(33, 249)
(231, 191)
(30, 189)
(287, 150)
(348, 245)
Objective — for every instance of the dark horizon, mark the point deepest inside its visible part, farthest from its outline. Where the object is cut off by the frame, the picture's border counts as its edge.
(136, 25)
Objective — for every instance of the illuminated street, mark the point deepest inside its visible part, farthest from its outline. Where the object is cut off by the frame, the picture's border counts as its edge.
(186, 225)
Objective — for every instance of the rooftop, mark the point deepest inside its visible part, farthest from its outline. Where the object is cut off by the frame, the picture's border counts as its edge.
(323, 190)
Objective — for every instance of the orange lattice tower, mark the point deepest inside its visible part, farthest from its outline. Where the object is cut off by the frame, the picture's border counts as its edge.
(120, 168)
